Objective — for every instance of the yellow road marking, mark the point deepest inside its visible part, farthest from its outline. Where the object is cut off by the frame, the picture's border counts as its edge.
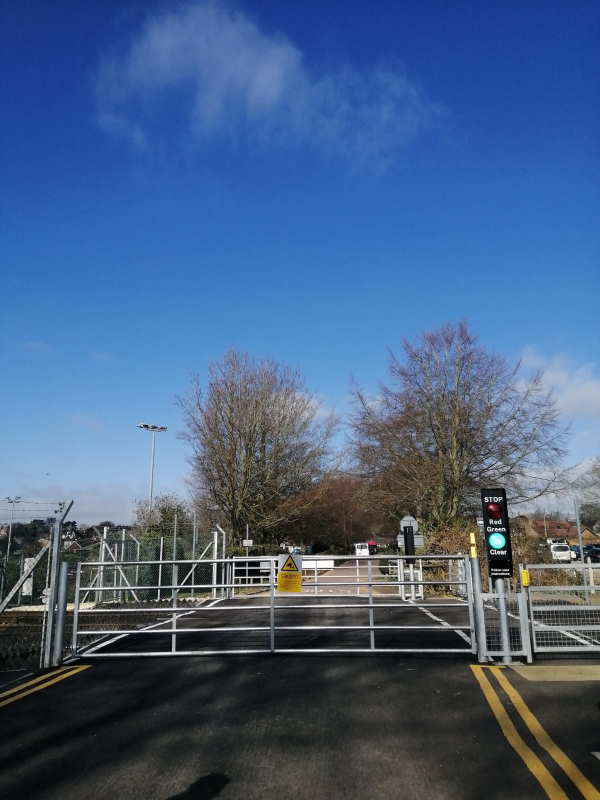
(580, 672)
(40, 686)
(39, 678)
(543, 739)
(531, 761)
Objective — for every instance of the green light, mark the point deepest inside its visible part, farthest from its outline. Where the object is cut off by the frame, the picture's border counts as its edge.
(497, 541)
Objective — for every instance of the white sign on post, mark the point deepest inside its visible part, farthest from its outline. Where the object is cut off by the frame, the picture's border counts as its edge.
(247, 542)
(419, 540)
(409, 522)
(27, 588)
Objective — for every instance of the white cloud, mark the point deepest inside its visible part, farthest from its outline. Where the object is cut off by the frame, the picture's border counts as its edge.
(576, 386)
(210, 67)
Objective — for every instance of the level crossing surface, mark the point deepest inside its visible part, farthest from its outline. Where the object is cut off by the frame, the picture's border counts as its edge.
(331, 621)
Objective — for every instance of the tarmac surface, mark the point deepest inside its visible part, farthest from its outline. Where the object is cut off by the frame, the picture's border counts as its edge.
(302, 726)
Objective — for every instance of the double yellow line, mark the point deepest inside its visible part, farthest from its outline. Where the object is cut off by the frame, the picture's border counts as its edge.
(37, 684)
(530, 759)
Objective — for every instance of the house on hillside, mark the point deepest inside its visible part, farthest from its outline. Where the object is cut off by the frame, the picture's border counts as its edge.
(561, 529)
(587, 535)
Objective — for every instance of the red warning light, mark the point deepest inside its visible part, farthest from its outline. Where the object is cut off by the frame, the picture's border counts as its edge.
(494, 510)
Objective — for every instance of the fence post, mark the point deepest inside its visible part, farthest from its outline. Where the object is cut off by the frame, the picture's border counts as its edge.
(137, 559)
(591, 575)
(174, 593)
(272, 611)
(100, 578)
(54, 561)
(76, 608)
(122, 559)
(194, 538)
(371, 616)
(403, 578)
(21, 563)
(469, 595)
(477, 599)
(503, 614)
(115, 558)
(160, 558)
(214, 566)
(525, 626)
(61, 610)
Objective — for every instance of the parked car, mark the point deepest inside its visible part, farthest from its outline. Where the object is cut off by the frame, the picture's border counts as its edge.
(591, 551)
(560, 552)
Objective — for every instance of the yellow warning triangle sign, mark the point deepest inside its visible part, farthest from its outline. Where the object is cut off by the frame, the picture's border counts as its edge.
(289, 566)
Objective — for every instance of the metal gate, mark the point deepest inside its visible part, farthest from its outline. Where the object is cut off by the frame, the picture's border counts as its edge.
(348, 604)
(490, 611)
(564, 607)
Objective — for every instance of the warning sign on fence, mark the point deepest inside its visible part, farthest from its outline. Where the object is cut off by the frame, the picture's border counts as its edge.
(289, 574)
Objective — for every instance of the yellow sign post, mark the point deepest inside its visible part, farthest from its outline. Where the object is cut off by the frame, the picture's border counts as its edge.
(289, 574)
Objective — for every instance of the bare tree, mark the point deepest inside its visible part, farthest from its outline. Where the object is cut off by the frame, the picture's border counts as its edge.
(588, 487)
(458, 418)
(162, 517)
(257, 442)
(337, 516)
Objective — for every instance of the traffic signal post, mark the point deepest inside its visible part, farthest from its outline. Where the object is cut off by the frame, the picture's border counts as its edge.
(499, 552)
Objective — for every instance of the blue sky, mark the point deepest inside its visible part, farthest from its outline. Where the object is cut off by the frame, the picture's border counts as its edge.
(306, 181)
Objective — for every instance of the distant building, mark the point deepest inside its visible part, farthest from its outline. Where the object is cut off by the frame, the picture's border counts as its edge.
(561, 529)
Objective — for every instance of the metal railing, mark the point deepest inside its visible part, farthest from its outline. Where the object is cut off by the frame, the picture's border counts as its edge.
(359, 604)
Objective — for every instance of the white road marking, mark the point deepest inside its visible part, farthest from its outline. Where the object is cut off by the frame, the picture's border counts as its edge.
(443, 622)
(149, 627)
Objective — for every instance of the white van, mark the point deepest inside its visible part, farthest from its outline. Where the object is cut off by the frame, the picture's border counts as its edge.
(361, 549)
(560, 552)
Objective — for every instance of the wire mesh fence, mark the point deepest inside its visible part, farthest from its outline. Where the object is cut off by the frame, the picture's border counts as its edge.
(25, 532)
(490, 607)
(565, 607)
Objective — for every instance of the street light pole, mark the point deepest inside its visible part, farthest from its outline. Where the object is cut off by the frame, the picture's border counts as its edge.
(154, 429)
(12, 501)
(152, 472)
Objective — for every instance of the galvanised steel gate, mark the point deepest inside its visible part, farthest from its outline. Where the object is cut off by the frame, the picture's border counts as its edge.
(348, 604)
(564, 607)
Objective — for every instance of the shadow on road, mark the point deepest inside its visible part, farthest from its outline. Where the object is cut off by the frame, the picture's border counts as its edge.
(204, 788)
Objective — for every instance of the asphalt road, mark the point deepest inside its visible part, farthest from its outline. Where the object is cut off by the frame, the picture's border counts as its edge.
(300, 726)
(279, 726)
(305, 726)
